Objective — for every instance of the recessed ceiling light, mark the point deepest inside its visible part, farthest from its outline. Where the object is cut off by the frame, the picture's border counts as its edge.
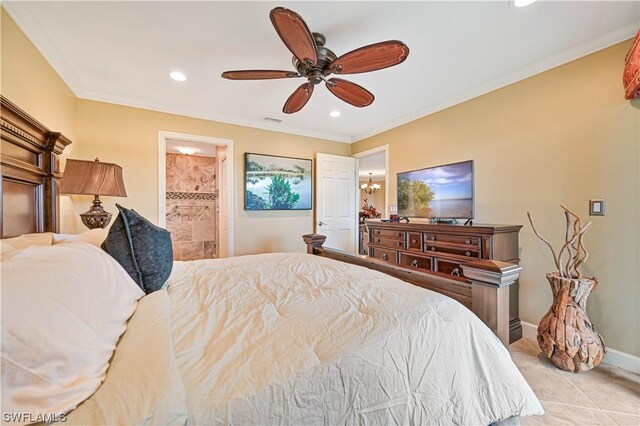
(178, 76)
(186, 150)
(522, 3)
(335, 113)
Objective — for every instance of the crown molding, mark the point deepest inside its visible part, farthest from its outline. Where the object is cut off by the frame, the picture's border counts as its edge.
(93, 96)
(538, 67)
(53, 56)
(56, 60)
(44, 45)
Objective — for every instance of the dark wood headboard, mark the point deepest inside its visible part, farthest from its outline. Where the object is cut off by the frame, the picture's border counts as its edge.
(29, 167)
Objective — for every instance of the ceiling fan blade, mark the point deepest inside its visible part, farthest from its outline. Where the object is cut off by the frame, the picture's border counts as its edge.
(298, 99)
(371, 58)
(350, 92)
(295, 34)
(258, 74)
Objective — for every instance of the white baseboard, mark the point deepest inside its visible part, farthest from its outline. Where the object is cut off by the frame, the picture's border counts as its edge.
(612, 357)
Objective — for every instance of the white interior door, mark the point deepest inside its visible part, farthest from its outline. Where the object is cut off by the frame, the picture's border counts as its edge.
(336, 193)
(223, 244)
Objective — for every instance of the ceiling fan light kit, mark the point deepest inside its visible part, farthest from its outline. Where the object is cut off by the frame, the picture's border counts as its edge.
(315, 62)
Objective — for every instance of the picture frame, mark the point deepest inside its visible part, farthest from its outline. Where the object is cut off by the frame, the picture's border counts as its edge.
(273, 182)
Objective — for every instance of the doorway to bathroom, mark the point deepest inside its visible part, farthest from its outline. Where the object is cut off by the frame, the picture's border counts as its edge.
(373, 189)
(195, 194)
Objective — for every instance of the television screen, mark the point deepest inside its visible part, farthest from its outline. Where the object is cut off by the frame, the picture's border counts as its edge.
(444, 192)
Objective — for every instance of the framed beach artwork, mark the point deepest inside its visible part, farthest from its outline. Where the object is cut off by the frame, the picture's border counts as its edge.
(277, 183)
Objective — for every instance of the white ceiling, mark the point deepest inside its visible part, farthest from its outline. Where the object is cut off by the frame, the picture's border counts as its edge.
(122, 52)
(374, 164)
(202, 149)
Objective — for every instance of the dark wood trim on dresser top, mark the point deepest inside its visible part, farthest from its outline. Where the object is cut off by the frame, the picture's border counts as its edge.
(29, 169)
(443, 250)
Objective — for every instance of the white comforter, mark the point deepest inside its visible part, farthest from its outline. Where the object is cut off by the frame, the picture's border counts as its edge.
(297, 339)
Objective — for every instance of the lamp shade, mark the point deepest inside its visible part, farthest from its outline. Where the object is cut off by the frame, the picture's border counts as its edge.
(92, 178)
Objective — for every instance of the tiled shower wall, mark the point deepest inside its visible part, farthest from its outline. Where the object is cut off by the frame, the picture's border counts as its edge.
(192, 200)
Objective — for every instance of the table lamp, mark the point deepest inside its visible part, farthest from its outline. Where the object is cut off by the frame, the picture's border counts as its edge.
(95, 178)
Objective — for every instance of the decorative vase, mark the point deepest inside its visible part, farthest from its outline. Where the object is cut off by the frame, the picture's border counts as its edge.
(565, 334)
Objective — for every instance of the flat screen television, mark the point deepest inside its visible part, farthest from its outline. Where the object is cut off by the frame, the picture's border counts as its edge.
(441, 192)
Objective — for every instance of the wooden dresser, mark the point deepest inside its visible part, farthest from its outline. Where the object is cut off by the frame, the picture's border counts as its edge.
(441, 250)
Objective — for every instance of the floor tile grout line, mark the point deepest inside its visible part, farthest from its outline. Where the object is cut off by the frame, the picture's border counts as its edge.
(529, 343)
(613, 420)
(595, 406)
(580, 390)
(572, 405)
(621, 412)
(573, 384)
(583, 408)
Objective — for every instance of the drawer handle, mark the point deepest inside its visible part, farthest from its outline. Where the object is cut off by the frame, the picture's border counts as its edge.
(468, 253)
(414, 241)
(399, 243)
(378, 240)
(385, 257)
(414, 263)
(433, 249)
(455, 272)
(433, 238)
(468, 242)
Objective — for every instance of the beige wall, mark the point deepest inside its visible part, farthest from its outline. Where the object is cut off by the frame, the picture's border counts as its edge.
(28, 80)
(561, 137)
(129, 137)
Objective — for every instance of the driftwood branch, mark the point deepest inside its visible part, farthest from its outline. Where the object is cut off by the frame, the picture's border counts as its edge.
(573, 245)
(553, 253)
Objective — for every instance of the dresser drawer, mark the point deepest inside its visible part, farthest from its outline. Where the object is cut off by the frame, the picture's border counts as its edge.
(413, 261)
(470, 252)
(414, 241)
(388, 243)
(449, 268)
(454, 239)
(384, 254)
(388, 234)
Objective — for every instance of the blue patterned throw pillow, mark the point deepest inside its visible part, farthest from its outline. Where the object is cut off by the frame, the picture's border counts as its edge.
(143, 249)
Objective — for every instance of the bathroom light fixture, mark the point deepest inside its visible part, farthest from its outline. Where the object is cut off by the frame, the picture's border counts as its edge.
(186, 150)
(522, 3)
(335, 113)
(178, 76)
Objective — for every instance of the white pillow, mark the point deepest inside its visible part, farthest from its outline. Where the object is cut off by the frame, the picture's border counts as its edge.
(64, 308)
(92, 236)
(23, 241)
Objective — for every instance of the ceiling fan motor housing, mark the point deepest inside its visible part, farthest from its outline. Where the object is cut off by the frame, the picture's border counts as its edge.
(321, 68)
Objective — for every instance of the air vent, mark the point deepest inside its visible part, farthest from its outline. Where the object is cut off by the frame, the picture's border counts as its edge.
(273, 120)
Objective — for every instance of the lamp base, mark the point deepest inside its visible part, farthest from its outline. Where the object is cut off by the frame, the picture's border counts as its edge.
(96, 216)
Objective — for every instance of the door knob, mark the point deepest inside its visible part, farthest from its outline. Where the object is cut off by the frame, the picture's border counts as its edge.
(322, 223)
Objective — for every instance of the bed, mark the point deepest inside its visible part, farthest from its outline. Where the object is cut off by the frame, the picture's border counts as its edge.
(281, 338)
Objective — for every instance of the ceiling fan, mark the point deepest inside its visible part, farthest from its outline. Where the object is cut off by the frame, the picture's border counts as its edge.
(315, 62)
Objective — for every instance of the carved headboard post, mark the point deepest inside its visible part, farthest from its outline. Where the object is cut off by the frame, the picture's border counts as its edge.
(313, 242)
(29, 167)
(53, 148)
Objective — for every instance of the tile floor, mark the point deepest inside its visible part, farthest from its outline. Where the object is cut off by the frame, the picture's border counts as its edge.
(605, 395)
